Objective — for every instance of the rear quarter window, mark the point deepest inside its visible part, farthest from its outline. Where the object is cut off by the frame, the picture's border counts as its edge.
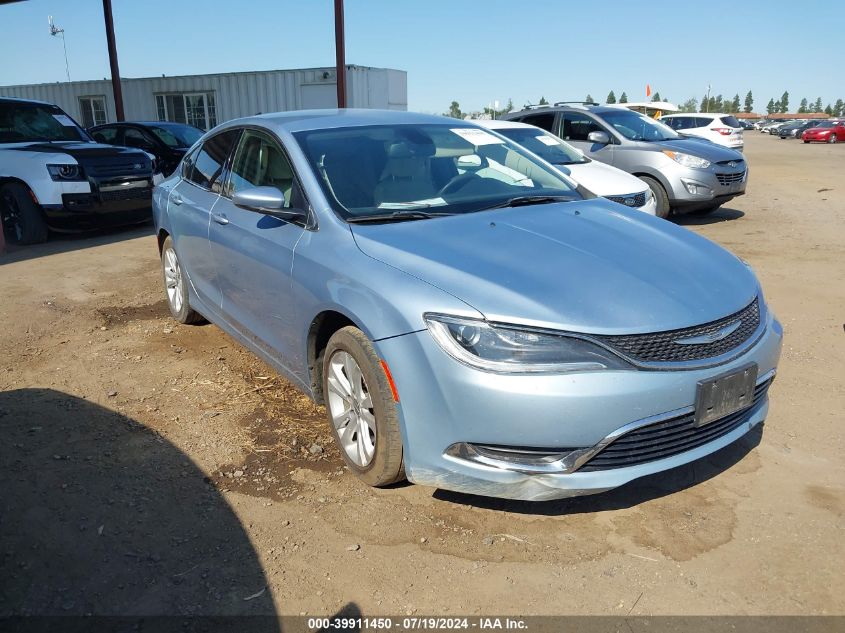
(730, 121)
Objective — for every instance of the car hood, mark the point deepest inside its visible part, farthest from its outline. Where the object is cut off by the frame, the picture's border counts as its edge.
(584, 266)
(77, 149)
(702, 148)
(604, 180)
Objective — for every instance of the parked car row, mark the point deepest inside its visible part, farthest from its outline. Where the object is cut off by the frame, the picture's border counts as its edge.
(809, 131)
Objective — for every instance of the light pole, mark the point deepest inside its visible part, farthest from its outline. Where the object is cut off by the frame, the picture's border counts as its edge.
(56, 31)
(340, 53)
(707, 99)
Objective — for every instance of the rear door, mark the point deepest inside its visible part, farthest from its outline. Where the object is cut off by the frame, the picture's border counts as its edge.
(253, 252)
(574, 127)
(189, 208)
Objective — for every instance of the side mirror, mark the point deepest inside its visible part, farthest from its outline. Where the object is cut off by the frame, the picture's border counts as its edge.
(269, 201)
(600, 138)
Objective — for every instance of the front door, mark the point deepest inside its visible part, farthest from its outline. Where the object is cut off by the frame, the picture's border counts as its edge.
(253, 252)
(574, 129)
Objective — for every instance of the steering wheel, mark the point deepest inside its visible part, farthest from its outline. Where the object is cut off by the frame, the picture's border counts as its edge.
(456, 183)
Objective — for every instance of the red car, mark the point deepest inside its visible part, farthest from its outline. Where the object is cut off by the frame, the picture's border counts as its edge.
(825, 132)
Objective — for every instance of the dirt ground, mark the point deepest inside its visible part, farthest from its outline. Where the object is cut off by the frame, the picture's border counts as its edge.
(149, 467)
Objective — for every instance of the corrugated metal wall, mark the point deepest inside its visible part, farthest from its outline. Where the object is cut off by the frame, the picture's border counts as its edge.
(236, 94)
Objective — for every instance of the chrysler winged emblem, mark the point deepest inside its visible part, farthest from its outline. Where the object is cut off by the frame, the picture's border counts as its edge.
(711, 337)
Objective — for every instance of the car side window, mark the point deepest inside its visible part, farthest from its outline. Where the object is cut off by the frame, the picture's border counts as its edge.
(544, 120)
(136, 138)
(206, 168)
(576, 126)
(702, 121)
(672, 122)
(107, 135)
(260, 162)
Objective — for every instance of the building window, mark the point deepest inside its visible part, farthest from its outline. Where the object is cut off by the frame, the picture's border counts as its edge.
(93, 110)
(195, 108)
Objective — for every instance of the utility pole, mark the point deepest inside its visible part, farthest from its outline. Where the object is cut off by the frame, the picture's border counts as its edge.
(340, 53)
(115, 71)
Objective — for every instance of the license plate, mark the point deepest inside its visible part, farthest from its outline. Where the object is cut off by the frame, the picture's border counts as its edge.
(725, 394)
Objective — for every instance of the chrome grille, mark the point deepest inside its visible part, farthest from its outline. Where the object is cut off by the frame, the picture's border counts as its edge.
(669, 437)
(729, 179)
(662, 347)
(630, 200)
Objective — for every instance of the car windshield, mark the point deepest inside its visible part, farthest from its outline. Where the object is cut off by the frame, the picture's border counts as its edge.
(637, 127)
(26, 122)
(825, 125)
(381, 171)
(176, 135)
(547, 146)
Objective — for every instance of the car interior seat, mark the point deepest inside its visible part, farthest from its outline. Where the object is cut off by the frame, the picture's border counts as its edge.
(406, 176)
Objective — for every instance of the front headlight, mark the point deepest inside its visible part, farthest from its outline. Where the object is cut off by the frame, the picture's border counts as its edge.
(65, 172)
(687, 160)
(509, 349)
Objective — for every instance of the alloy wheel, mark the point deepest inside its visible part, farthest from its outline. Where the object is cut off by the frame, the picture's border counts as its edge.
(12, 219)
(351, 409)
(173, 279)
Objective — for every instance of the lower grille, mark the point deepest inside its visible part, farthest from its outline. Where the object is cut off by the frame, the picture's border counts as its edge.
(128, 194)
(729, 179)
(668, 438)
(631, 200)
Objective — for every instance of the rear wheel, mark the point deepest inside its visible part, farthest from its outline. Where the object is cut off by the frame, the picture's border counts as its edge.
(22, 219)
(361, 409)
(661, 200)
(832, 138)
(176, 286)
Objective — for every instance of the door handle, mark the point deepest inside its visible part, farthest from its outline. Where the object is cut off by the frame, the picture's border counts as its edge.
(176, 198)
(220, 218)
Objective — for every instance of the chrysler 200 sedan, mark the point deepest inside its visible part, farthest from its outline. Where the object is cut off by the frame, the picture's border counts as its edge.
(470, 317)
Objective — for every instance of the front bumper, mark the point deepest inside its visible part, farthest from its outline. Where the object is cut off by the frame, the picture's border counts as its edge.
(694, 189)
(443, 403)
(109, 204)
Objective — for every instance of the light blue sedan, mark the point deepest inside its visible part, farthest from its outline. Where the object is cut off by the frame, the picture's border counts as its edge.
(471, 318)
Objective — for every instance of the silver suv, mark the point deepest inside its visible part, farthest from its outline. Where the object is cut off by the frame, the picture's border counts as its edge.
(686, 175)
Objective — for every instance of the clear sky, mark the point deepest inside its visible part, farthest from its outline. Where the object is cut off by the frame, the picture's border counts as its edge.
(471, 51)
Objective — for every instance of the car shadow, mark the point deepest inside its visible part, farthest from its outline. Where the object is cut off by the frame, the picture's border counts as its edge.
(100, 515)
(631, 494)
(69, 242)
(722, 214)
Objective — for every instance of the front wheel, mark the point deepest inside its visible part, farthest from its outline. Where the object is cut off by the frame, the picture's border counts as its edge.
(361, 408)
(176, 286)
(832, 139)
(661, 200)
(20, 217)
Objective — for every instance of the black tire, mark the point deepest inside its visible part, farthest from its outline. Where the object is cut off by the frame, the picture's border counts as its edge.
(661, 200)
(706, 210)
(805, 141)
(832, 139)
(22, 219)
(179, 303)
(386, 466)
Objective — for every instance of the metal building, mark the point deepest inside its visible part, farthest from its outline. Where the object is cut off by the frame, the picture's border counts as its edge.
(206, 100)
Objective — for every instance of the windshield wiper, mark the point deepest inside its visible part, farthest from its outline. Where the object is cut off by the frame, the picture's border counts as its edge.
(396, 216)
(522, 201)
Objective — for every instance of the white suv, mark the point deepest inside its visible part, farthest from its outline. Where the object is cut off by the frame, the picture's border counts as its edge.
(723, 129)
(603, 180)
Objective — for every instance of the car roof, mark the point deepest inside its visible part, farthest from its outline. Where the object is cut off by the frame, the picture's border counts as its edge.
(572, 107)
(696, 114)
(303, 120)
(16, 100)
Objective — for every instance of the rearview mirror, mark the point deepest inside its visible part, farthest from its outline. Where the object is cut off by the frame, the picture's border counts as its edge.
(598, 137)
(267, 200)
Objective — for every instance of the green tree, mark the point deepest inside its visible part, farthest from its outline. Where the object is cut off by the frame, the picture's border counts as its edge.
(454, 111)
(838, 108)
(611, 98)
(589, 98)
(656, 97)
(543, 101)
(705, 104)
(784, 102)
(772, 106)
(735, 103)
(817, 106)
(623, 98)
(802, 107)
(495, 114)
(716, 104)
(828, 110)
(749, 102)
(690, 105)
